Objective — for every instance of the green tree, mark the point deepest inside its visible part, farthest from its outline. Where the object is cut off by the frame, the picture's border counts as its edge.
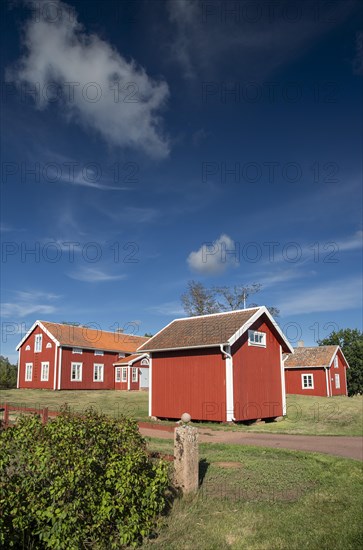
(8, 373)
(351, 342)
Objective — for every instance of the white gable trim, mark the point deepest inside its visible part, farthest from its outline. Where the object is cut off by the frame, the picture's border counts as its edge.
(254, 318)
(124, 361)
(335, 353)
(37, 324)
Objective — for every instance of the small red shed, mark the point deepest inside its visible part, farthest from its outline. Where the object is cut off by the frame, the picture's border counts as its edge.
(132, 372)
(222, 367)
(317, 370)
(66, 357)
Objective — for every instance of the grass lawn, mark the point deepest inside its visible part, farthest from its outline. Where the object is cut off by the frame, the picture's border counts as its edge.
(305, 415)
(269, 499)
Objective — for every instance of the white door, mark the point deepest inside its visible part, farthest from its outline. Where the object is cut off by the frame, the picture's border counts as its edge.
(144, 378)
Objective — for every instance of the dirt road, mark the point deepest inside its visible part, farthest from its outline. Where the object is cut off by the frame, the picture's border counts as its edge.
(347, 447)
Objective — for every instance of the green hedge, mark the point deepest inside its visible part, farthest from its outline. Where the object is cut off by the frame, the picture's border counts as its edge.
(77, 482)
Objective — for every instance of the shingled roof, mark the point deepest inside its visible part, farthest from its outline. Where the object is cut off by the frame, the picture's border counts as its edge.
(207, 330)
(320, 356)
(88, 338)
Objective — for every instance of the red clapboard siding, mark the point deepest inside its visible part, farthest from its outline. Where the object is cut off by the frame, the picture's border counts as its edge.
(29, 356)
(190, 381)
(257, 377)
(88, 359)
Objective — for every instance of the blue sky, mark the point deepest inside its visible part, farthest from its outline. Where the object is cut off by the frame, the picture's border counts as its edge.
(145, 144)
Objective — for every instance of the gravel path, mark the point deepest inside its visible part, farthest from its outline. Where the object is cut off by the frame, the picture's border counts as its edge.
(347, 447)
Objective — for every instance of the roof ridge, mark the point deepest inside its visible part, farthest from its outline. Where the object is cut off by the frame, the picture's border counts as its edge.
(219, 313)
(91, 328)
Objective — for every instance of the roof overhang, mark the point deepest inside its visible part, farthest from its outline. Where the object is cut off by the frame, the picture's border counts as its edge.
(124, 361)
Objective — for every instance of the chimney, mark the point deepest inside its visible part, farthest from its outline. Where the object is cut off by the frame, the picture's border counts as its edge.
(119, 331)
(300, 343)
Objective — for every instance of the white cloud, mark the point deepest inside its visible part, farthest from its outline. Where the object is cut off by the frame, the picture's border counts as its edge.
(215, 257)
(29, 303)
(91, 81)
(330, 296)
(351, 243)
(93, 275)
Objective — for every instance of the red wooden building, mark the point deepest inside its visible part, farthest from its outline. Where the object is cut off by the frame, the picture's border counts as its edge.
(132, 372)
(316, 371)
(66, 357)
(222, 367)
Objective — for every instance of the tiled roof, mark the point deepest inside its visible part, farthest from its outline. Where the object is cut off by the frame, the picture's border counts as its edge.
(83, 337)
(133, 357)
(319, 356)
(204, 330)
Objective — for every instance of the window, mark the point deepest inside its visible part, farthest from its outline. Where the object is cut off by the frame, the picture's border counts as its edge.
(49, 345)
(118, 374)
(97, 373)
(76, 372)
(256, 338)
(28, 372)
(307, 382)
(27, 348)
(145, 362)
(336, 362)
(121, 355)
(337, 381)
(38, 343)
(77, 350)
(134, 374)
(124, 374)
(44, 375)
(98, 352)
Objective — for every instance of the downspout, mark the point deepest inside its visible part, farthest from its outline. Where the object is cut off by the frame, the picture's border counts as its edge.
(18, 373)
(60, 368)
(229, 384)
(128, 377)
(326, 379)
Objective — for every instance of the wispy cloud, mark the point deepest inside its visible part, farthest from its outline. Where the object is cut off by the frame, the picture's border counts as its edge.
(5, 228)
(207, 34)
(94, 275)
(29, 303)
(351, 242)
(214, 257)
(97, 86)
(337, 295)
(168, 308)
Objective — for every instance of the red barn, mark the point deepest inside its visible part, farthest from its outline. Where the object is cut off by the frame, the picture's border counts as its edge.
(67, 357)
(132, 372)
(316, 371)
(223, 367)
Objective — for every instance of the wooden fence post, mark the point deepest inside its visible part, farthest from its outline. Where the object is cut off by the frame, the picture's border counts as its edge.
(6, 415)
(45, 415)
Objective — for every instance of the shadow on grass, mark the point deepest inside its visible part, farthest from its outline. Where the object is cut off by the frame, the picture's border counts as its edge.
(203, 468)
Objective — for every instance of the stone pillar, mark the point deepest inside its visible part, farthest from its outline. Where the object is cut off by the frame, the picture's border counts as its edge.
(186, 459)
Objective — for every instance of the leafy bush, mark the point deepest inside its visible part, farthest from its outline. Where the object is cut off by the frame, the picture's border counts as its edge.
(77, 482)
(8, 373)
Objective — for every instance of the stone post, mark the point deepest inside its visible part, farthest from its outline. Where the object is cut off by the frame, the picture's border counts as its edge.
(186, 458)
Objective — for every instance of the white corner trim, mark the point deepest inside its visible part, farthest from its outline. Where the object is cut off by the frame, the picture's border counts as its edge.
(55, 368)
(18, 373)
(229, 383)
(283, 385)
(326, 381)
(150, 383)
(128, 377)
(60, 368)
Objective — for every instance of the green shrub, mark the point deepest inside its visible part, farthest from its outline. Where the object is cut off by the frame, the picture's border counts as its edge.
(77, 482)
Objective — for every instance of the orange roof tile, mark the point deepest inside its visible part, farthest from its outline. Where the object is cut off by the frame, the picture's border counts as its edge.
(204, 330)
(319, 356)
(88, 338)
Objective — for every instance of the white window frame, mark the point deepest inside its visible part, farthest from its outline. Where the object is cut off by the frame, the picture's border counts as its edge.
(38, 343)
(135, 374)
(27, 348)
(124, 374)
(76, 365)
(257, 338)
(77, 350)
(337, 379)
(28, 372)
(44, 373)
(336, 365)
(121, 355)
(118, 374)
(145, 362)
(98, 368)
(99, 352)
(305, 379)
(49, 345)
